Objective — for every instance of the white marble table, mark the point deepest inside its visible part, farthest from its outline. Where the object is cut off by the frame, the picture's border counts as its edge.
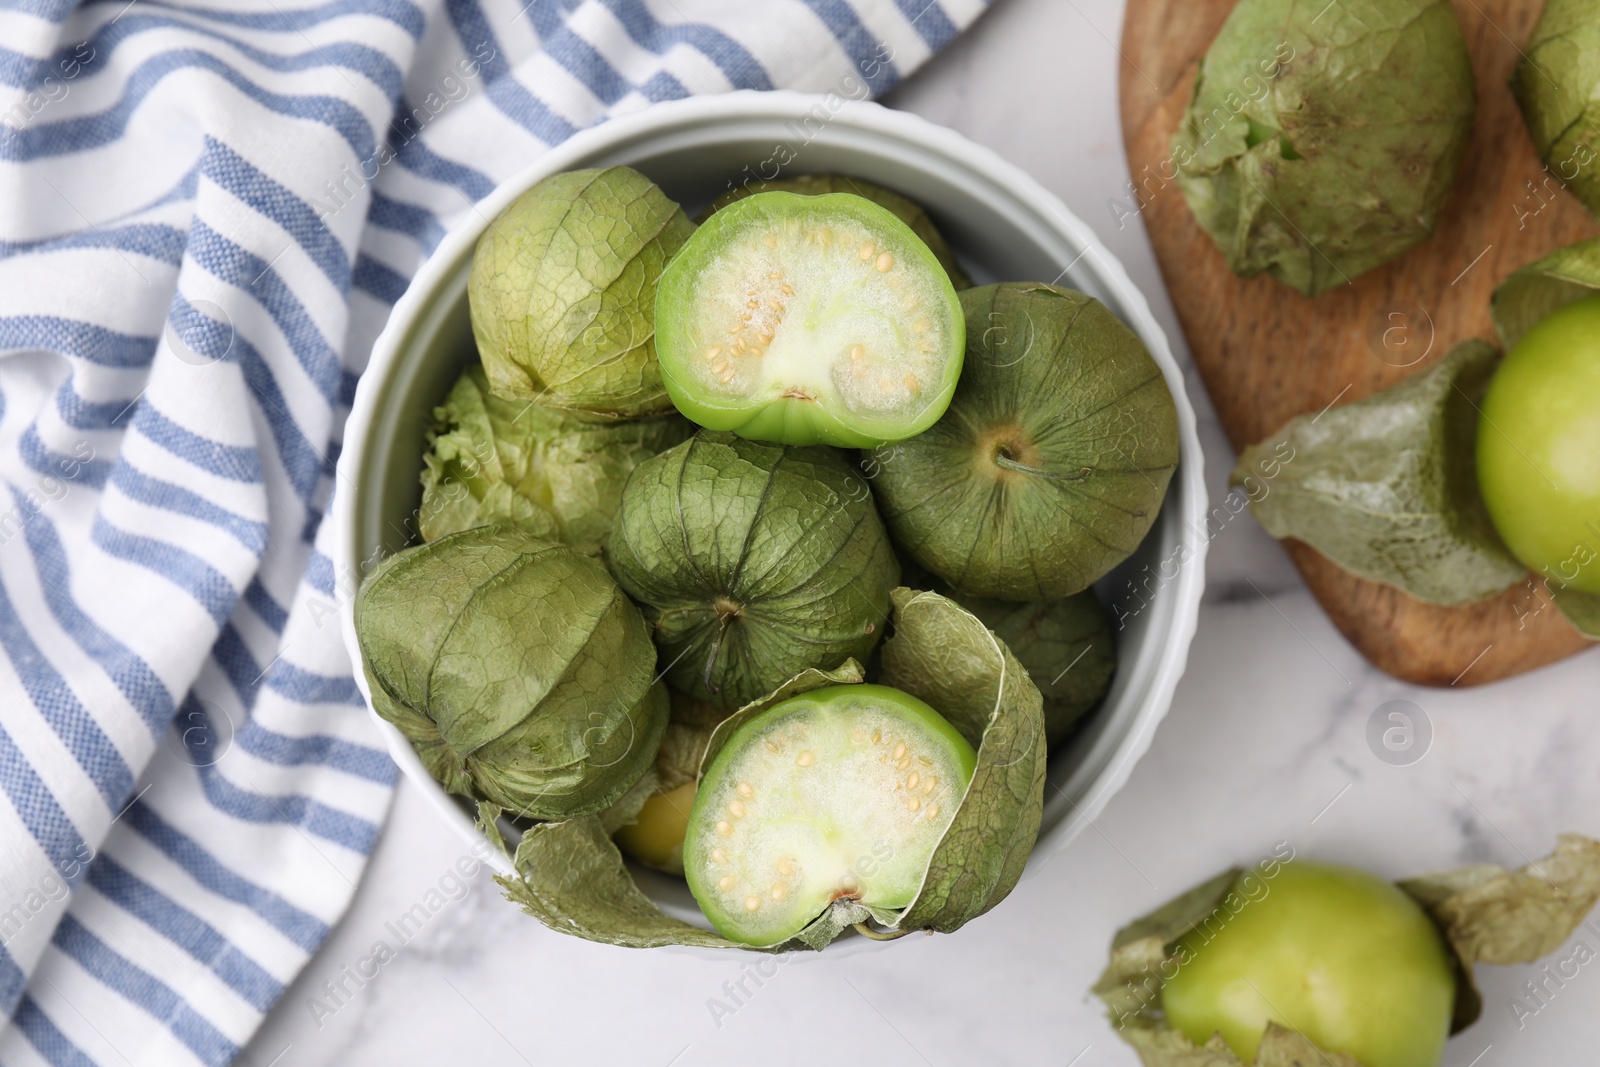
(1266, 742)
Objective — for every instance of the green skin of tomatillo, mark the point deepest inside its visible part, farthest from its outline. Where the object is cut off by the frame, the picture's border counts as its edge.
(1067, 646)
(1340, 955)
(1322, 140)
(809, 320)
(517, 669)
(1051, 464)
(788, 567)
(839, 793)
(1557, 85)
(1539, 447)
(562, 289)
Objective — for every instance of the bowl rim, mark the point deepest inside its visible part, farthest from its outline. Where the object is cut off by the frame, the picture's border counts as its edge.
(1111, 771)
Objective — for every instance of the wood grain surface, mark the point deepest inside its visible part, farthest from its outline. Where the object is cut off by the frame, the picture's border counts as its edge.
(1267, 354)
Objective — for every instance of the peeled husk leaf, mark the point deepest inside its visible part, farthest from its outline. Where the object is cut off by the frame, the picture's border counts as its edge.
(790, 568)
(1387, 486)
(1563, 277)
(1280, 1047)
(905, 209)
(562, 293)
(1322, 141)
(1067, 647)
(1557, 83)
(1053, 459)
(677, 765)
(1486, 913)
(1130, 986)
(843, 914)
(517, 669)
(1492, 915)
(942, 654)
(490, 459)
(571, 876)
(684, 746)
(493, 821)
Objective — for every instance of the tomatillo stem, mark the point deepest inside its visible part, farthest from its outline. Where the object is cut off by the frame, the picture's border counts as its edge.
(1023, 468)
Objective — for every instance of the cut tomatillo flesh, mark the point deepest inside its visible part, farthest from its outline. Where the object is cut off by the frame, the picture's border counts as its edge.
(841, 793)
(809, 320)
(903, 208)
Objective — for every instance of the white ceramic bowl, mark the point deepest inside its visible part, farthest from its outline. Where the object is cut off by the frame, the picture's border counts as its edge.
(1003, 225)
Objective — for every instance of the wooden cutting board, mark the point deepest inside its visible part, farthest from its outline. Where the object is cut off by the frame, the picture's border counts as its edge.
(1266, 353)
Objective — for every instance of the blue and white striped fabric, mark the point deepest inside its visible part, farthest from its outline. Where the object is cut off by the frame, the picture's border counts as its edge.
(206, 213)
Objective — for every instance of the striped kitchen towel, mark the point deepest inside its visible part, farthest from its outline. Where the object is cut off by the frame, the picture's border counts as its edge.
(207, 210)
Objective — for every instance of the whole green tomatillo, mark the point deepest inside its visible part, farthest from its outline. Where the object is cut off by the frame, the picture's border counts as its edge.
(516, 668)
(1322, 140)
(491, 459)
(1557, 83)
(562, 293)
(1346, 959)
(1539, 447)
(752, 562)
(1052, 462)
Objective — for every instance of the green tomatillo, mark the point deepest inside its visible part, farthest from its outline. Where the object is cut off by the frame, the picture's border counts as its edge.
(1557, 83)
(517, 669)
(1323, 139)
(1052, 462)
(809, 320)
(1345, 958)
(562, 293)
(839, 794)
(560, 475)
(786, 567)
(1291, 963)
(1539, 447)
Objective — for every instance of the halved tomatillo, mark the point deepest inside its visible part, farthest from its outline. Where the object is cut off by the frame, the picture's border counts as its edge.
(809, 320)
(839, 793)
